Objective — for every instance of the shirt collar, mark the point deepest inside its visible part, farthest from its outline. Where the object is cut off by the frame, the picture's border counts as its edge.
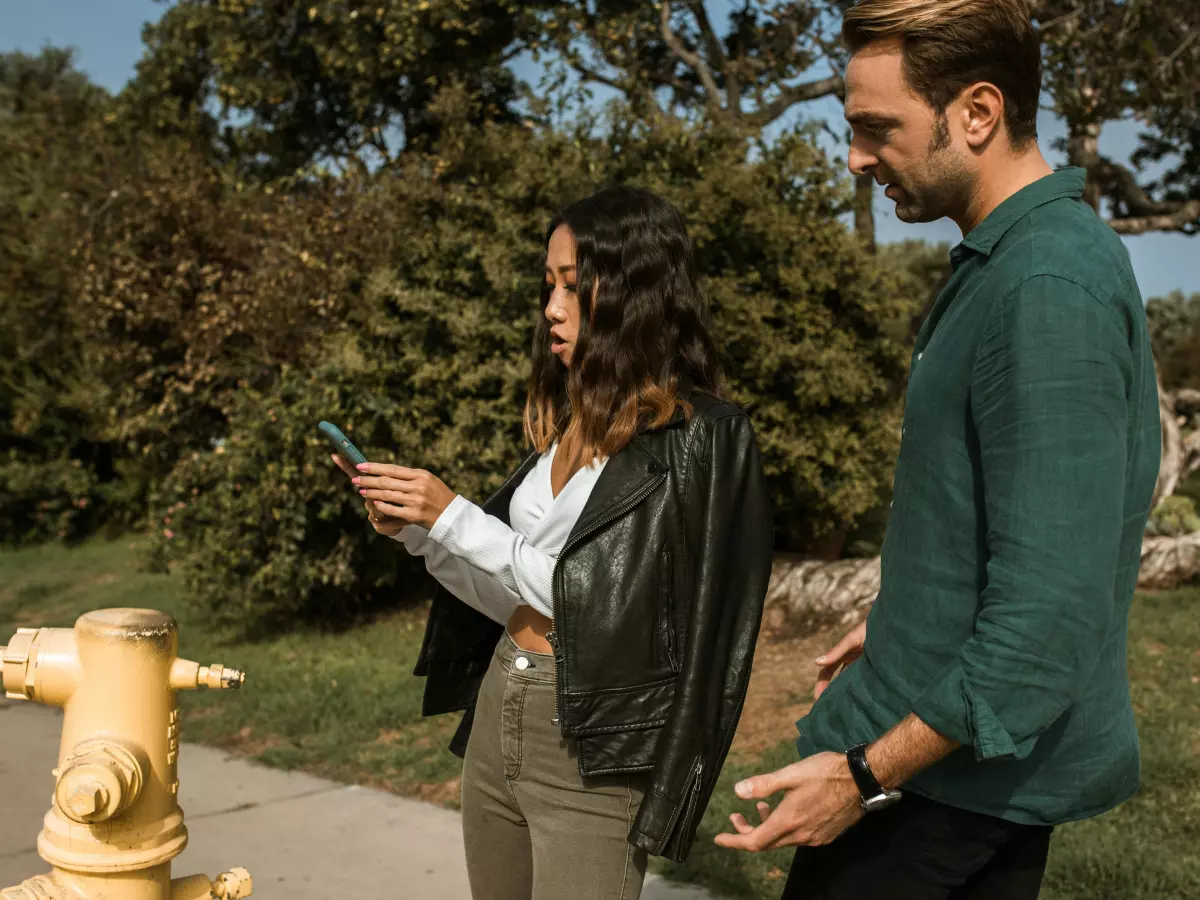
(1064, 184)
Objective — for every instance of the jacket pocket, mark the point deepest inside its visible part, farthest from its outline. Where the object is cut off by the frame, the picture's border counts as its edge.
(665, 627)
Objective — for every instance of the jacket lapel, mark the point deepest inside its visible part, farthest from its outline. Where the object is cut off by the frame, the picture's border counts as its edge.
(632, 471)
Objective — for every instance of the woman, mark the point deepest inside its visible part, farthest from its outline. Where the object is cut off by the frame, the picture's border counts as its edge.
(599, 613)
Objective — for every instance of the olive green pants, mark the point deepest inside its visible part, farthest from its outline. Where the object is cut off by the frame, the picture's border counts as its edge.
(534, 828)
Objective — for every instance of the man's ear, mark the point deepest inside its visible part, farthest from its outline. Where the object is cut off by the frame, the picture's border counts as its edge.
(980, 111)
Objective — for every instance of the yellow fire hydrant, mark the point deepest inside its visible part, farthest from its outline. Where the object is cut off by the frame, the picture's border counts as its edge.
(115, 823)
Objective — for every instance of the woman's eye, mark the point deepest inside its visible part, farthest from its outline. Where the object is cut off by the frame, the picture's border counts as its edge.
(570, 287)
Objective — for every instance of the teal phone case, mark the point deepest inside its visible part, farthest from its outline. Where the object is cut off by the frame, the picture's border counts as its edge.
(341, 443)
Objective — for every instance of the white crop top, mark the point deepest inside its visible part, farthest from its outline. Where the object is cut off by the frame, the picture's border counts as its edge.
(493, 567)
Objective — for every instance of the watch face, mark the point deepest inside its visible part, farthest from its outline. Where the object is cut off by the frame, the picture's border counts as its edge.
(880, 801)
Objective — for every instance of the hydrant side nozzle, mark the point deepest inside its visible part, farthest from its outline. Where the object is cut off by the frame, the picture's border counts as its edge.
(188, 676)
(234, 884)
(40, 664)
(184, 675)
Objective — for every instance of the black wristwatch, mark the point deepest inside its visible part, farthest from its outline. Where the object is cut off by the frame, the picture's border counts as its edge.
(874, 797)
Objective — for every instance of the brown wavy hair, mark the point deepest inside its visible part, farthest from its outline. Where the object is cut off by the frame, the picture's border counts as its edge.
(644, 336)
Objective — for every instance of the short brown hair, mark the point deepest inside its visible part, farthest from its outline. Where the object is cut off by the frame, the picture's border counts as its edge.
(949, 45)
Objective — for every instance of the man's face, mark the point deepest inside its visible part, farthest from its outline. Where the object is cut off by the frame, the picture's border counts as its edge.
(901, 141)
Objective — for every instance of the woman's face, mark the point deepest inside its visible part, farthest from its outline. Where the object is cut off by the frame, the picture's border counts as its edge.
(562, 309)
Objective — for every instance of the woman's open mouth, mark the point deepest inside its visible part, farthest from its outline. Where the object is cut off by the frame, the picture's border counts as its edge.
(557, 345)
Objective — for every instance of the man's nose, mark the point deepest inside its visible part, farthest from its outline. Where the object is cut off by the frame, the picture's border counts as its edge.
(859, 161)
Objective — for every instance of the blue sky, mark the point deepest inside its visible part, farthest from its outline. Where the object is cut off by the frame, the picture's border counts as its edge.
(107, 40)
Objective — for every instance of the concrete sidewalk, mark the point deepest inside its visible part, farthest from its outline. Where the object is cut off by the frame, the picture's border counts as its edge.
(302, 838)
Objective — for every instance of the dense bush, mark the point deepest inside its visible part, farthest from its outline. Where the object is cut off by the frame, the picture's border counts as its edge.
(1175, 332)
(56, 474)
(1174, 517)
(195, 326)
(425, 360)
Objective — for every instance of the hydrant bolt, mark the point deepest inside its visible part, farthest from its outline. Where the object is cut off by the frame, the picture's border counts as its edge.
(87, 800)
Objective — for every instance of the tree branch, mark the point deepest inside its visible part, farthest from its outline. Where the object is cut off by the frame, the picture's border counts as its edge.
(717, 56)
(592, 75)
(1186, 218)
(688, 57)
(1122, 187)
(1136, 211)
(833, 86)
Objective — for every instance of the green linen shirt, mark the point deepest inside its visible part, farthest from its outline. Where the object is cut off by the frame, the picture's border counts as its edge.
(1030, 451)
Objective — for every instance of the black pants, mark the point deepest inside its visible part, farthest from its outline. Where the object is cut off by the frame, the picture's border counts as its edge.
(921, 850)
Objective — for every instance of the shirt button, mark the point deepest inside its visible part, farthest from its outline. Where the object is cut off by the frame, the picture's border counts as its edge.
(522, 663)
(919, 355)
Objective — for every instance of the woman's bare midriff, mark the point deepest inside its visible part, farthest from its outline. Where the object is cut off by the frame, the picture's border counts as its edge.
(527, 627)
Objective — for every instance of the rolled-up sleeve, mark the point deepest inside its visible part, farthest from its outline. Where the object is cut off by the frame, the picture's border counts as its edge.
(1049, 407)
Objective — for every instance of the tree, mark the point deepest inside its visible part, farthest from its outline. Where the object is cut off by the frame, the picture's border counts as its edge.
(54, 468)
(1175, 332)
(278, 86)
(1110, 60)
(670, 58)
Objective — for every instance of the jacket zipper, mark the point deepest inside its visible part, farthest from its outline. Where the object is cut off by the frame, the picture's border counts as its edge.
(687, 805)
(556, 594)
(666, 608)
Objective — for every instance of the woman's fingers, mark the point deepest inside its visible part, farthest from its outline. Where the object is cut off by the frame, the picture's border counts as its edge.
(389, 471)
(344, 464)
(399, 498)
(398, 512)
(385, 483)
(388, 526)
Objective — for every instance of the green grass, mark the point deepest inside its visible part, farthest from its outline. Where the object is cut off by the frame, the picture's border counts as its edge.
(345, 705)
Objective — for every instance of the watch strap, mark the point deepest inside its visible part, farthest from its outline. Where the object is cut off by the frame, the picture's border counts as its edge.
(869, 788)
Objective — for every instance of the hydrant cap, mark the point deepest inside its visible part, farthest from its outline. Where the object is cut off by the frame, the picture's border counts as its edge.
(131, 624)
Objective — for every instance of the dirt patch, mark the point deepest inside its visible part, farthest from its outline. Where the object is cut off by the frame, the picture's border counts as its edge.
(405, 736)
(248, 743)
(444, 794)
(780, 688)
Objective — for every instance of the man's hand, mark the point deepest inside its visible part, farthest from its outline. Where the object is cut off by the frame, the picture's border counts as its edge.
(821, 802)
(412, 495)
(848, 649)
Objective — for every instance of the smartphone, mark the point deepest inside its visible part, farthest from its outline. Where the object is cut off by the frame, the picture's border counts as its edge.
(341, 443)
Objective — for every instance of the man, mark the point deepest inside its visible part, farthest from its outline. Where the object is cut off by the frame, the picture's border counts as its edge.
(987, 701)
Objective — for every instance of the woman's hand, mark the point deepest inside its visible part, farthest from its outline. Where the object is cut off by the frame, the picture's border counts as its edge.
(414, 496)
(847, 651)
(385, 525)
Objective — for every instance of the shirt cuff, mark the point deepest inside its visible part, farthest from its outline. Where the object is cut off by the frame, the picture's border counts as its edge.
(952, 707)
(413, 537)
(445, 522)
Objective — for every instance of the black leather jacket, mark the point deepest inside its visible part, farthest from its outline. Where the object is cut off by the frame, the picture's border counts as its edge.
(658, 594)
